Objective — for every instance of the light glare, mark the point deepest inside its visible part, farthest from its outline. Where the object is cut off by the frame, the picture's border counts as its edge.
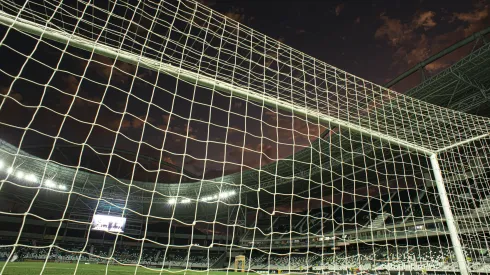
(172, 201)
(20, 175)
(31, 178)
(49, 183)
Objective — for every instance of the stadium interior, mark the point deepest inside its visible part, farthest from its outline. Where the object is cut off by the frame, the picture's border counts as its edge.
(343, 202)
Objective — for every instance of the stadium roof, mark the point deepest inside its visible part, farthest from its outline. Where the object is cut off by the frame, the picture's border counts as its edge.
(465, 86)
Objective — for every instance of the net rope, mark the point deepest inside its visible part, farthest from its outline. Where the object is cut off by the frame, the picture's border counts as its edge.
(213, 141)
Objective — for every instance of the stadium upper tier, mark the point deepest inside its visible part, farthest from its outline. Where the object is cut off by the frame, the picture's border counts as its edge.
(367, 123)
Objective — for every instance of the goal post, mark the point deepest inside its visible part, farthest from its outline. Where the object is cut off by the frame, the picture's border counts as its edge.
(163, 135)
(448, 215)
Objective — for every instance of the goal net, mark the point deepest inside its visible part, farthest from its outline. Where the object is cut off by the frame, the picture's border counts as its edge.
(163, 135)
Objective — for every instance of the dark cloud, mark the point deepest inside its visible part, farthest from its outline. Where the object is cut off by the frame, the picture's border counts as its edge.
(424, 19)
(237, 104)
(208, 3)
(393, 31)
(130, 122)
(236, 14)
(13, 94)
(412, 44)
(474, 20)
(119, 72)
(339, 8)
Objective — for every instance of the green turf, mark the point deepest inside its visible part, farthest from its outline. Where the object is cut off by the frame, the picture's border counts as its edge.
(18, 268)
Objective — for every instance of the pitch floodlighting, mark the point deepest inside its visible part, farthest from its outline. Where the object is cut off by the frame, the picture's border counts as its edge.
(30, 178)
(20, 175)
(50, 183)
(172, 201)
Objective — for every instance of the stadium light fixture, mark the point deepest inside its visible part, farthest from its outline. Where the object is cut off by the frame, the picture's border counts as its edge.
(50, 183)
(31, 178)
(10, 170)
(172, 201)
(20, 175)
(206, 198)
(226, 194)
(221, 195)
(61, 186)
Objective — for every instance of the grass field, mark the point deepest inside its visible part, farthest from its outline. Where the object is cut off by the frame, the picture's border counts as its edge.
(23, 268)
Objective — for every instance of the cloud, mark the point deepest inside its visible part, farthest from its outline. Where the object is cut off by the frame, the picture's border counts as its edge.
(87, 101)
(167, 159)
(208, 3)
(440, 64)
(358, 20)
(424, 19)
(473, 16)
(71, 84)
(237, 104)
(270, 57)
(291, 129)
(164, 124)
(300, 31)
(398, 33)
(236, 14)
(414, 53)
(82, 98)
(122, 72)
(475, 20)
(13, 94)
(253, 154)
(233, 129)
(166, 119)
(130, 122)
(339, 8)
(393, 31)
(280, 136)
(412, 44)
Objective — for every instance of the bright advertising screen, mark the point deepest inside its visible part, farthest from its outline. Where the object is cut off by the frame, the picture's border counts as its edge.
(108, 223)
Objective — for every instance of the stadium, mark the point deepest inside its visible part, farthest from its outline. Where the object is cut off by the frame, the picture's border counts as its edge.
(154, 137)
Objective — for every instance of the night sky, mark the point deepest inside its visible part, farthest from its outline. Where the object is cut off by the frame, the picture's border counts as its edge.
(376, 41)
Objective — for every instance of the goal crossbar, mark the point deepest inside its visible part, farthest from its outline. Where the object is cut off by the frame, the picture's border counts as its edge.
(192, 77)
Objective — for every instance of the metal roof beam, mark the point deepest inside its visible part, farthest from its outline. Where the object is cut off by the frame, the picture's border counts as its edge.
(440, 54)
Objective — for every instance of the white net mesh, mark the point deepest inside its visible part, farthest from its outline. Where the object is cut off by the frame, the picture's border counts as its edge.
(164, 136)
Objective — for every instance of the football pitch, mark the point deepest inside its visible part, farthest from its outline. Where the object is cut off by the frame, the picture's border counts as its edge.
(24, 268)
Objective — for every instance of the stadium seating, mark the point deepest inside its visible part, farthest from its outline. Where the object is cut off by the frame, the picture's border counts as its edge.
(123, 255)
(391, 258)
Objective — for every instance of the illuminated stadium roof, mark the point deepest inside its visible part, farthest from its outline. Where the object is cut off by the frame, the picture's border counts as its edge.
(465, 86)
